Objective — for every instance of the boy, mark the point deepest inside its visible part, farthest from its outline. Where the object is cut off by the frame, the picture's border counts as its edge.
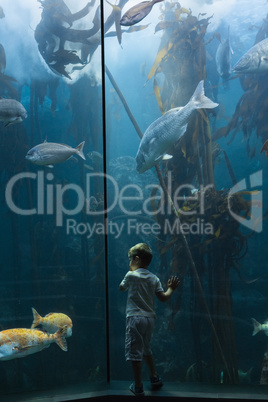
(142, 285)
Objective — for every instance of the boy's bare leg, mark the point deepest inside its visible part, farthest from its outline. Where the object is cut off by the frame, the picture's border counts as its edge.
(149, 360)
(136, 367)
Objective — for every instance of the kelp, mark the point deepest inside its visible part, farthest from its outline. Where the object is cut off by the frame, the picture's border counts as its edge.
(179, 65)
(117, 16)
(215, 253)
(216, 214)
(180, 54)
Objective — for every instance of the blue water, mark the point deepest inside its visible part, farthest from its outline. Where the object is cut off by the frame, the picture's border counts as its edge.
(55, 253)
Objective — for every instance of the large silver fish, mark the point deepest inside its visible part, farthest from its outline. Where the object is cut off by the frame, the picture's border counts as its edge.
(162, 134)
(254, 60)
(21, 342)
(11, 111)
(136, 13)
(50, 153)
(223, 57)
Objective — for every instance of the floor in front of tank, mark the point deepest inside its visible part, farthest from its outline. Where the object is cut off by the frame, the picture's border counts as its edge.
(120, 389)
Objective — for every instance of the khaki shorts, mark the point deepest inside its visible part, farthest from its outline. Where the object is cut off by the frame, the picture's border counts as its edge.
(139, 332)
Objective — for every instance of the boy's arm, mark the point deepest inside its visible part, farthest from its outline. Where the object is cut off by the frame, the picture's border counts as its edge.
(124, 284)
(173, 283)
(121, 287)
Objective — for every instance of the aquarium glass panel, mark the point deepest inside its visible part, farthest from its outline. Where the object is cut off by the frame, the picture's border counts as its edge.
(52, 261)
(187, 79)
(121, 123)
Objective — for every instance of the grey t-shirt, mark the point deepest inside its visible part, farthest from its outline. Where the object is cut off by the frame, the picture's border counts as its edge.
(142, 285)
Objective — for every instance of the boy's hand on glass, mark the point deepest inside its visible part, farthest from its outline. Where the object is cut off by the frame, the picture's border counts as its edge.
(173, 282)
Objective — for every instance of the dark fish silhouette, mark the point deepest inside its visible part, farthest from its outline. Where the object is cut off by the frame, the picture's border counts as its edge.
(2, 59)
(223, 57)
(2, 14)
(136, 13)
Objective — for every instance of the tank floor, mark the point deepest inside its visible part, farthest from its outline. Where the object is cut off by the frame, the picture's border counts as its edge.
(187, 392)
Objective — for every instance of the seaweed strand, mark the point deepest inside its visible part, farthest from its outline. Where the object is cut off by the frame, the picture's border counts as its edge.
(124, 102)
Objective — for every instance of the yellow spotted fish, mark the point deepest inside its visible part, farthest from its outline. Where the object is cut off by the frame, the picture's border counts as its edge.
(21, 342)
(52, 322)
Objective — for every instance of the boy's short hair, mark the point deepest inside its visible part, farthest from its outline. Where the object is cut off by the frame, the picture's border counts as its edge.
(143, 251)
